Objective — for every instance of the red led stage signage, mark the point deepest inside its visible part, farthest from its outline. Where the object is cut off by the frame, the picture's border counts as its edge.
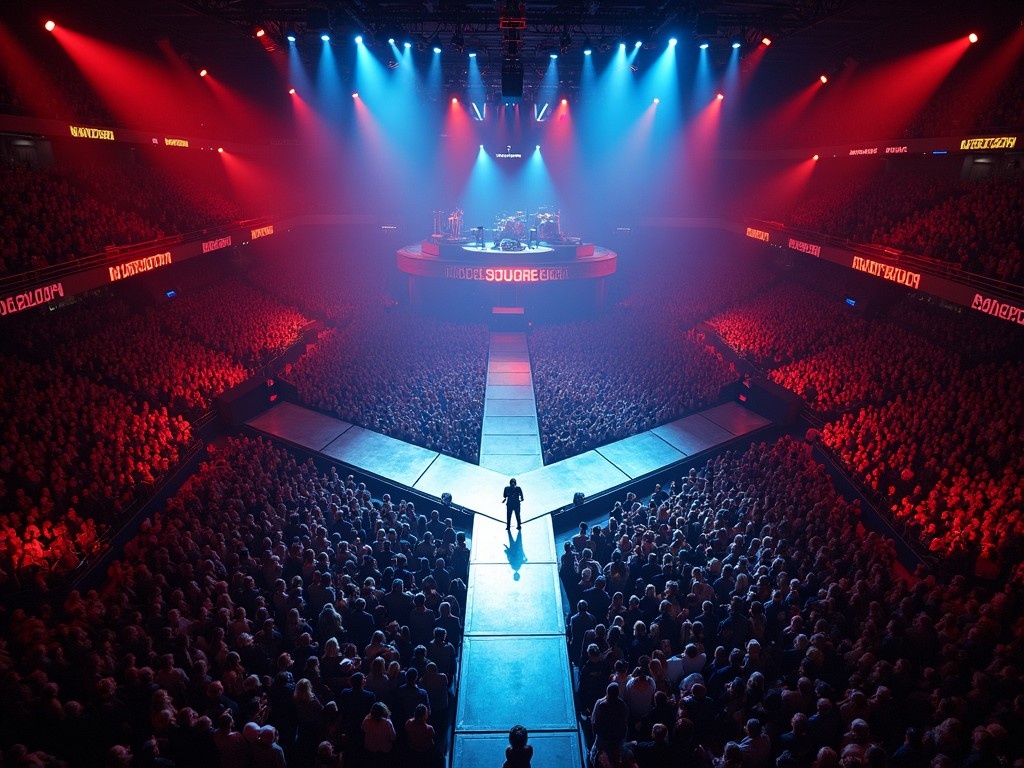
(216, 245)
(168, 142)
(887, 272)
(864, 151)
(85, 132)
(997, 308)
(758, 234)
(136, 266)
(989, 142)
(259, 232)
(800, 245)
(507, 274)
(27, 299)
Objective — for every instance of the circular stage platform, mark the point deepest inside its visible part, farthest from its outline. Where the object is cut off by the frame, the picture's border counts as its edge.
(489, 279)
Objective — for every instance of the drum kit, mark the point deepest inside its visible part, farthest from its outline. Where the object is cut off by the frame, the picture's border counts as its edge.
(544, 225)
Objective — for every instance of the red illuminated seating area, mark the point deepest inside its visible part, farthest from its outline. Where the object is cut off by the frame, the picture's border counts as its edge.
(949, 458)
(980, 228)
(109, 412)
(975, 226)
(71, 443)
(55, 216)
(47, 220)
(220, 604)
(929, 428)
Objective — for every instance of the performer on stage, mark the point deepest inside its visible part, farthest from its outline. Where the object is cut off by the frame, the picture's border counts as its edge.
(513, 497)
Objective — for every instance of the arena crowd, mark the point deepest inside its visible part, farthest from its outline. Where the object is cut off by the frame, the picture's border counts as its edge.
(272, 612)
(746, 617)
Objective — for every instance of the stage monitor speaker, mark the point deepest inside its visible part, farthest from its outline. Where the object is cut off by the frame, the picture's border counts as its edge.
(243, 401)
(771, 400)
(512, 80)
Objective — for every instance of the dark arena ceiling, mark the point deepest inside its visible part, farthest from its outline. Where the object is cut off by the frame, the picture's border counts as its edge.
(809, 33)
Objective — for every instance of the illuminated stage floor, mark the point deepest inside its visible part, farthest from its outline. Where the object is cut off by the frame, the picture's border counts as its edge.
(510, 435)
(514, 666)
(478, 488)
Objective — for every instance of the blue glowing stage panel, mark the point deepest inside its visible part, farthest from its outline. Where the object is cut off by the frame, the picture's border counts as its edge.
(301, 426)
(693, 434)
(505, 676)
(640, 454)
(528, 605)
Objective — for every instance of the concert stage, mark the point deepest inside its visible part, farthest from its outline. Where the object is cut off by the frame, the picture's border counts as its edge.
(470, 276)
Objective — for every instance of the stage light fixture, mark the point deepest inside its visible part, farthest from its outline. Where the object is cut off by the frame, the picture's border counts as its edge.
(203, 73)
(261, 32)
(720, 96)
(437, 49)
(472, 55)
(291, 91)
(622, 46)
(735, 44)
(554, 56)
(407, 45)
(657, 100)
(638, 44)
(359, 39)
(672, 42)
(704, 46)
(325, 37)
(587, 51)
(814, 157)
(391, 41)
(355, 95)
(565, 102)
(973, 38)
(538, 147)
(766, 41)
(290, 38)
(455, 100)
(220, 150)
(824, 79)
(50, 25)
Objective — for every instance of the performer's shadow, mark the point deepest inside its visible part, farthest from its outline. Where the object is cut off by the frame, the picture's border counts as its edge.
(514, 552)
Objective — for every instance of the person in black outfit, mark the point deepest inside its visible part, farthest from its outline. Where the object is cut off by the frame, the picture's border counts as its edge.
(518, 753)
(513, 497)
